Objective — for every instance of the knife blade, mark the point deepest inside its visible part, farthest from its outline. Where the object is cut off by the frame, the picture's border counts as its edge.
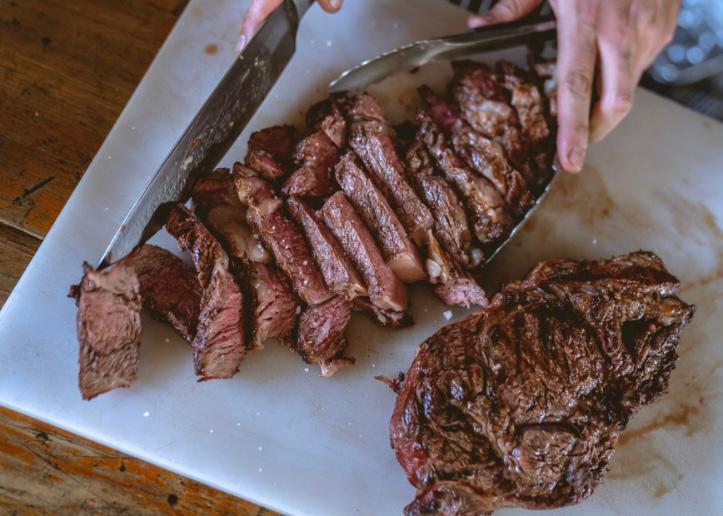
(214, 128)
(421, 52)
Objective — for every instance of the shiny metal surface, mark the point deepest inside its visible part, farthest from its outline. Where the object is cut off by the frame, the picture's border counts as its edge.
(212, 131)
(421, 52)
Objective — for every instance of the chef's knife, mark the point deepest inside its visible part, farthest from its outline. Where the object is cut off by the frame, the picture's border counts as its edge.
(214, 129)
(419, 53)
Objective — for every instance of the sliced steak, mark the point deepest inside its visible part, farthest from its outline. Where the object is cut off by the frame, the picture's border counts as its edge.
(399, 252)
(522, 403)
(527, 101)
(327, 117)
(321, 335)
(388, 318)
(483, 155)
(168, 286)
(109, 329)
(384, 288)
(337, 268)
(266, 217)
(491, 221)
(453, 285)
(450, 220)
(314, 157)
(270, 150)
(220, 343)
(272, 306)
(371, 137)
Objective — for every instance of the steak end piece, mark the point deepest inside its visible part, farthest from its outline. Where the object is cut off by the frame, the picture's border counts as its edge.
(522, 403)
(109, 329)
(321, 334)
(220, 341)
(327, 117)
(314, 157)
(270, 151)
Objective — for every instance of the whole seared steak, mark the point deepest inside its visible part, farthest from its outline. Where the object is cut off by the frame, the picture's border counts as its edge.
(522, 403)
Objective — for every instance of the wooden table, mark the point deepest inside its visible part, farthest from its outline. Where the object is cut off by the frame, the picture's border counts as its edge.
(67, 68)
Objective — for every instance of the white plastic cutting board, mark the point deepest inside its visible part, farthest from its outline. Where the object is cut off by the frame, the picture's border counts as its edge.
(278, 434)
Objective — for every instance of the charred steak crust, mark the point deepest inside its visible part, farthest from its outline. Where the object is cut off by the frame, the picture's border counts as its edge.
(521, 404)
(220, 341)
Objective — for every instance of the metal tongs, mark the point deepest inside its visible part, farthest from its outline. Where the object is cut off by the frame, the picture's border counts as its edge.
(474, 42)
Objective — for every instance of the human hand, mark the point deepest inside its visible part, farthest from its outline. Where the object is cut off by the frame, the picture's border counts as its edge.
(259, 10)
(617, 38)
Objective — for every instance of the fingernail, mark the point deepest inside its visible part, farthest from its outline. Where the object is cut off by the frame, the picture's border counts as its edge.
(478, 21)
(335, 4)
(575, 158)
(241, 43)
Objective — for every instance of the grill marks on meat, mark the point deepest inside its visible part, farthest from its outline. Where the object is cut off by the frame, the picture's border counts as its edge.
(269, 151)
(522, 403)
(399, 252)
(491, 221)
(219, 344)
(385, 290)
(336, 267)
(314, 157)
(266, 216)
(371, 138)
(109, 329)
(271, 304)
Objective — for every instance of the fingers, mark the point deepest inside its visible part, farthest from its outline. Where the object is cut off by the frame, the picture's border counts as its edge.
(576, 69)
(504, 11)
(258, 11)
(330, 6)
(619, 72)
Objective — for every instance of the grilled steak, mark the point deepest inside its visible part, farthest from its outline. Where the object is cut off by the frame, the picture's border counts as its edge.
(220, 341)
(371, 137)
(327, 117)
(336, 267)
(269, 151)
(450, 220)
(491, 221)
(453, 285)
(109, 329)
(266, 216)
(271, 304)
(522, 403)
(399, 252)
(168, 286)
(314, 157)
(384, 288)
(321, 335)
(527, 101)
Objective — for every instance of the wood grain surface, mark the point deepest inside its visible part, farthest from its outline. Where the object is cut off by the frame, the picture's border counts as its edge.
(67, 68)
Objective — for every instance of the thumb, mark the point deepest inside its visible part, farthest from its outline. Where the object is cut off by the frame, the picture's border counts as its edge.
(330, 6)
(257, 12)
(504, 11)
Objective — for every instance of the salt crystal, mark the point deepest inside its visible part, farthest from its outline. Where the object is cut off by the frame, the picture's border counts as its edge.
(328, 43)
(447, 314)
(298, 309)
(210, 431)
(349, 423)
(238, 424)
(258, 413)
(306, 369)
(166, 340)
(426, 310)
(260, 448)
(146, 414)
(133, 128)
(594, 241)
(37, 114)
(374, 365)
(110, 157)
(261, 469)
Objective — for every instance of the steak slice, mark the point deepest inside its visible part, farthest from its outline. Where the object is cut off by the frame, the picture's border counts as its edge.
(327, 117)
(336, 267)
(522, 403)
(371, 138)
(399, 252)
(483, 155)
(278, 233)
(269, 151)
(168, 286)
(271, 304)
(453, 285)
(491, 221)
(314, 157)
(527, 101)
(384, 288)
(450, 220)
(220, 343)
(109, 329)
(321, 335)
